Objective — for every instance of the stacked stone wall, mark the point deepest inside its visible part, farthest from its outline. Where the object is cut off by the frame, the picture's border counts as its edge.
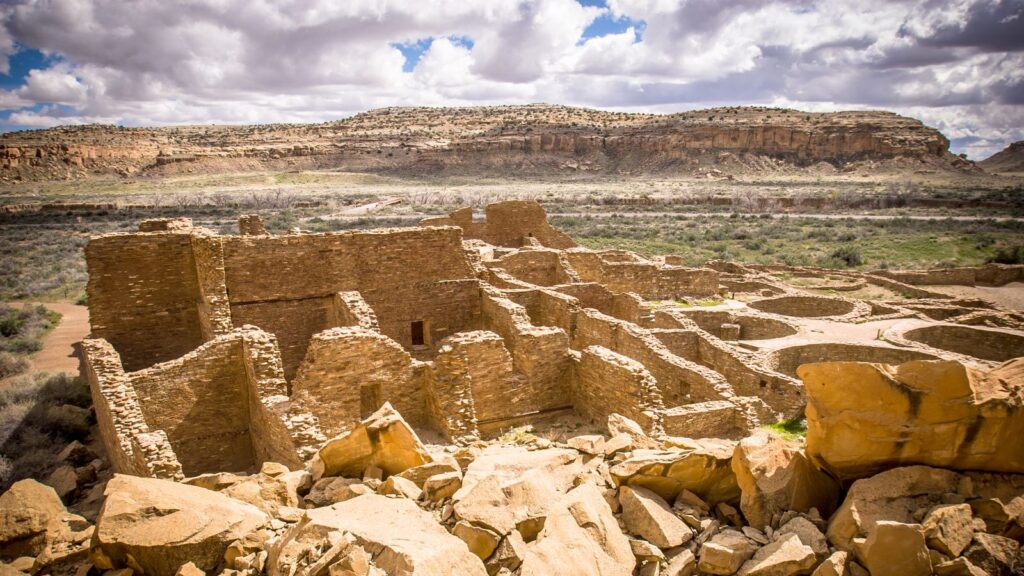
(607, 383)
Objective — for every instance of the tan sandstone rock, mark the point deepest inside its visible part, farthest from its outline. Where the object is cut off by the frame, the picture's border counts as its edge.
(480, 541)
(28, 512)
(647, 515)
(995, 555)
(383, 440)
(726, 552)
(937, 413)
(895, 549)
(403, 539)
(155, 526)
(787, 556)
(398, 486)
(704, 468)
(834, 565)
(949, 529)
(580, 538)
(892, 495)
(774, 475)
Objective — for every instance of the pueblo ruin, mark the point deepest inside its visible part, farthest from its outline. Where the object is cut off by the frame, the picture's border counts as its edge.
(355, 403)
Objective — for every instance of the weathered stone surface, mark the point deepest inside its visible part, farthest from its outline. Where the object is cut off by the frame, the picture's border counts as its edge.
(681, 563)
(619, 424)
(937, 413)
(786, 556)
(994, 554)
(808, 533)
(402, 539)
(895, 549)
(834, 565)
(726, 552)
(704, 469)
(158, 525)
(383, 440)
(592, 444)
(28, 510)
(327, 491)
(893, 495)
(273, 487)
(419, 474)
(647, 515)
(774, 475)
(580, 538)
(481, 541)
(399, 486)
(949, 529)
(958, 567)
(441, 486)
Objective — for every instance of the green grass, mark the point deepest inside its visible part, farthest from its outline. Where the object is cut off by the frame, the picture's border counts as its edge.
(699, 302)
(792, 429)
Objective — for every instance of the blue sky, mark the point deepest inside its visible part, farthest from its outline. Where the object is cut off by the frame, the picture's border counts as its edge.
(957, 65)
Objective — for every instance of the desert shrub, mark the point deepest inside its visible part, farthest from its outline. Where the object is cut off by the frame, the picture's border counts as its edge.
(848, 255)
(1009, 255)
(36, 423)
(22, 329)
(11, 365)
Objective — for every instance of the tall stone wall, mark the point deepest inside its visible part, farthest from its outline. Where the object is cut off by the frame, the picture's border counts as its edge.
(541, 267)
(650, 280)
(144, 295)
(607, 382)
(198, 400)
(118, 413)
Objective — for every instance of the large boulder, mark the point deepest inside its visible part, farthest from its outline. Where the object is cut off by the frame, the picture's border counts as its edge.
(402, 539)
(383, 440)
(155, 526)
(649, 517)
(580, 538)
(700, 466)
(34, 523)
(864, 418)
(894, 496)
(895, 549)
(774, 476)
(271, 488)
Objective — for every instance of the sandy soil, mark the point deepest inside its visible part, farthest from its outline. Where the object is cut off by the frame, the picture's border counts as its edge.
(59, 353)
(1010, 296)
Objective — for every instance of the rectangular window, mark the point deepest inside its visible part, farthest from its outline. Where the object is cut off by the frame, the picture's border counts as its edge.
(418, 335)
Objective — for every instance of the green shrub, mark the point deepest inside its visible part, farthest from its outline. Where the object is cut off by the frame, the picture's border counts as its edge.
(848, 255)
(1009, 255)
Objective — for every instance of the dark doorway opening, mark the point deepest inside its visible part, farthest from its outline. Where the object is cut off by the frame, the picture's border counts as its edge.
(418, 333)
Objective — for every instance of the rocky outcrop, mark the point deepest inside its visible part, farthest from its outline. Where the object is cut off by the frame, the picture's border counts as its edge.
(537, 138)
(1009, 159)
(938, 413)
(383, 440)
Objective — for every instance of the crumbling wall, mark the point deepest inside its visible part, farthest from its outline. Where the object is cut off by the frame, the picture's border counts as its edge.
(144, 295)
(509, 224)
(541, 267)
(214, 308)
(648, 279)
(624, 306)
(606, 383)
(351, 310)
(348, 373)
(714, 419)
(200, 401)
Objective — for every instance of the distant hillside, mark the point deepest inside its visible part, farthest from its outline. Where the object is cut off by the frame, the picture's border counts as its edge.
(1010, 159)
(498, 140)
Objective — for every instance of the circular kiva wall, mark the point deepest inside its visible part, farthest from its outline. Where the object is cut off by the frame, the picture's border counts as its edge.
(804, 306)
(787, 360)
(994, 345)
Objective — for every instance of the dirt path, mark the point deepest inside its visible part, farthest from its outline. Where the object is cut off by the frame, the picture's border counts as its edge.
(58, 353)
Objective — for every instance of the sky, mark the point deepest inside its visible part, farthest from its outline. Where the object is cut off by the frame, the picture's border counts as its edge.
(957, 65)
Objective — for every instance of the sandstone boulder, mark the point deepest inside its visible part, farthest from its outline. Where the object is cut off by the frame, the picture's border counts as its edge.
(834, 565)
(580, 538)
(958, 567)
(995, 555)
(703, 467)
(327, 491)
(808, 533)
(787, 556)
(619, 425)
(480, 541)
(402, 539)
(774, 475)
(419, 474)
(398, 486)
(949, 529)
(36, 529)
(267, 490)
(895, 549)
(154, 526)
(649, 517)
(894, 495)
(726, 552)
(937, 413)
(441, 486)
(383, 440)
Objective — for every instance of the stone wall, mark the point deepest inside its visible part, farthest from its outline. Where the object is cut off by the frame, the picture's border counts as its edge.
(650, 280)
(508, 224)
(144, 295)
(989, 274)
(607, 383)
(541, 267)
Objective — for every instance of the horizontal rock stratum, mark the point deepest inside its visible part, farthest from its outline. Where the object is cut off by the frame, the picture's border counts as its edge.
(525, 139)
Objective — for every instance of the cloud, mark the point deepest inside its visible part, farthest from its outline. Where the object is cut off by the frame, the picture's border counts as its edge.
(152, 62)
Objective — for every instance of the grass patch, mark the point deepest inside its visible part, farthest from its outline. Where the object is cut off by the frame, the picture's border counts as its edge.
(699, 302)
(792, 429)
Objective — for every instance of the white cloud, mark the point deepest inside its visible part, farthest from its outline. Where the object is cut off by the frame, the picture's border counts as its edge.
(950, 62)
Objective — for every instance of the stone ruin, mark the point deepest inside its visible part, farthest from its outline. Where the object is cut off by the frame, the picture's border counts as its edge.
(217, 353)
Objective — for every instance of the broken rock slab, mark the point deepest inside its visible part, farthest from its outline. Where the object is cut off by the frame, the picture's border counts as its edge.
(774, 476)
(895, 549)
(648, 516)
(402, 539)
(702, 467)
(580, 538)
(155, 526)
(383, 440)
(726, 552)
(932, 412)
(785, 557)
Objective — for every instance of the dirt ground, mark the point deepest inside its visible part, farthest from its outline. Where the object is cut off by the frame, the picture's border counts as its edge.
(1010, 296)
(59, 352)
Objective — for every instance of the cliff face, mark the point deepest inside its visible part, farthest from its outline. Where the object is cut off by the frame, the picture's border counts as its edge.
(1010, 159)
(532, 139)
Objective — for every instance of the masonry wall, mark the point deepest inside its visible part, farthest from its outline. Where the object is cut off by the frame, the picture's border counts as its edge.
(201, 402)
(650, 280)
(348, 373)
(118, 413)
(144, 296)
(508, 224)
(606, 382)
(538, 267)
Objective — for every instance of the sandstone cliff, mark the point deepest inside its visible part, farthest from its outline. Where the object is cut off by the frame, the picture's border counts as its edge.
(536, 139)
